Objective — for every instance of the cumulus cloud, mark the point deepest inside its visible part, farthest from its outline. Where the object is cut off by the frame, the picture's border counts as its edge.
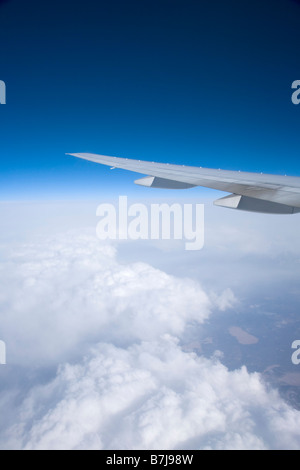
(225, 300)
(71, 290)
(153, 396)
(101, 341)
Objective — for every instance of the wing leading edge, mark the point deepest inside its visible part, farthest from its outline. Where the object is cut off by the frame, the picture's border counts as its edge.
(253, 192)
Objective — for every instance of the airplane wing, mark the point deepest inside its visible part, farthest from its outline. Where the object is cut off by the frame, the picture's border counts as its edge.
(255, 192)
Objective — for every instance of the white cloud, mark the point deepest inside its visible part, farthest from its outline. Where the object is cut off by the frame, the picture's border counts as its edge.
(72, 290)
(225, 300)
(153, 396)
(115, 327)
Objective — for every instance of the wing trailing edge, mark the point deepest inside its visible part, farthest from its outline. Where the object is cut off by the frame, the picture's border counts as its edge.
(255, 192)
(251, 204)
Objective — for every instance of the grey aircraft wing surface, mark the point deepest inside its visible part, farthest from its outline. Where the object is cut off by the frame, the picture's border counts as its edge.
(255, 192)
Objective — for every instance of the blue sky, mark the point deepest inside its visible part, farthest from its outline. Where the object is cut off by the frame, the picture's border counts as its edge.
(193, 82)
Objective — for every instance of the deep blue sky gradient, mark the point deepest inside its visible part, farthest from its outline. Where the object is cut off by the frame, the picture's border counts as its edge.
(204, 83)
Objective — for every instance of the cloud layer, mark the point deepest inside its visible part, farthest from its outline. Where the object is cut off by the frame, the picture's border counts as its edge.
(100, 341)
(153, 396)
(72, 290)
